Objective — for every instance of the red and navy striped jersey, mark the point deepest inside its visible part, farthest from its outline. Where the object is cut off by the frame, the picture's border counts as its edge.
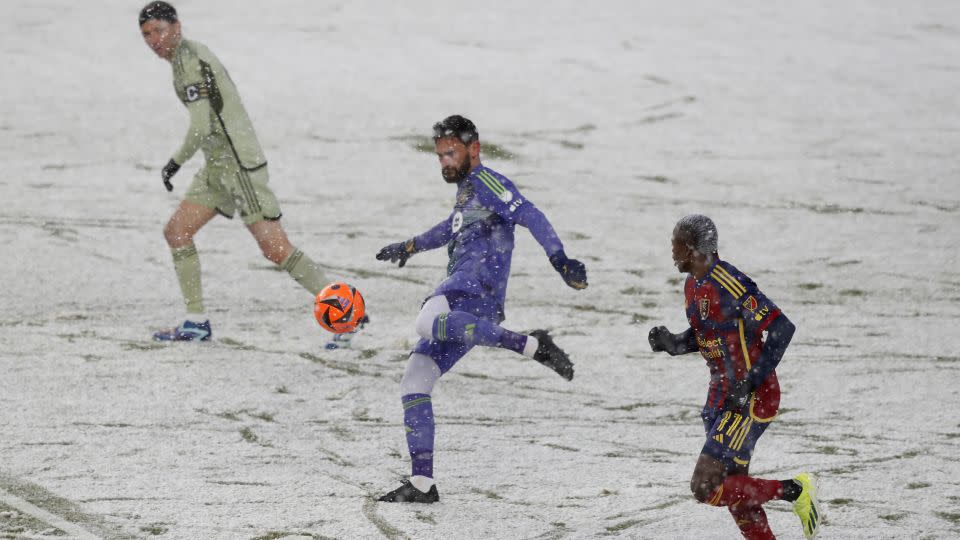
(729, 314)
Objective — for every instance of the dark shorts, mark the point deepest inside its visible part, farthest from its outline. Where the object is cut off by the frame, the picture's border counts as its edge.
(731, 436)
(447, 353)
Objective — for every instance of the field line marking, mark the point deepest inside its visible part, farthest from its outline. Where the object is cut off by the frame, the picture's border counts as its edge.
(74, 530)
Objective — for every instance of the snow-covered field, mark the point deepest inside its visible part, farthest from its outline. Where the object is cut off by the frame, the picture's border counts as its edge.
(821, 136)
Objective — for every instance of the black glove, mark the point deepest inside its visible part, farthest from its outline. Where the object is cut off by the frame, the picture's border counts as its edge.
(401, 251)
(739, 395)
(167, 173)
(660, 339)
(573, 272)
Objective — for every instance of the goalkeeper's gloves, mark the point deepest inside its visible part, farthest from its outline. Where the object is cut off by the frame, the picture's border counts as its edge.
(739, 395)
(401, 251)
(573, 272)
(167, 173)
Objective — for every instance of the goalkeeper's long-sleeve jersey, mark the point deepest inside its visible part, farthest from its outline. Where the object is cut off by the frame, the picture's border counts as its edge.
(479, 234)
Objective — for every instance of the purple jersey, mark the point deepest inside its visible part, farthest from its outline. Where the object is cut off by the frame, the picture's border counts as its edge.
(479, 235)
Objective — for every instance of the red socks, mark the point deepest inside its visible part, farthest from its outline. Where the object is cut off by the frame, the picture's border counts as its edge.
(744, 495)
(752, 522)
(740, 489)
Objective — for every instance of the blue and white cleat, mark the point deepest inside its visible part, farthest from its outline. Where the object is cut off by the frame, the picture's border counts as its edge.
(188, 331)
(344, 340)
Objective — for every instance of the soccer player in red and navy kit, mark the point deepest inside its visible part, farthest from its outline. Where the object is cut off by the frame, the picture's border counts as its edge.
(728, 317)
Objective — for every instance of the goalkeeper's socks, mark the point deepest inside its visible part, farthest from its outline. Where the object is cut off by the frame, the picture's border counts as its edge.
(472, 330)
(419, 425)
(422, 483)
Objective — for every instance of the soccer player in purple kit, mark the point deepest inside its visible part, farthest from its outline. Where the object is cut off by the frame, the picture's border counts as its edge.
(728, 316)
(466, 309)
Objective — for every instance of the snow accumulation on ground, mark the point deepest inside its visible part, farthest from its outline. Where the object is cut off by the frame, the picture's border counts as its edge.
(820, 136)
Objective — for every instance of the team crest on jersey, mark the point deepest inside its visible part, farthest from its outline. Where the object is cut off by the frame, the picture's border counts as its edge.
(457, 222)
(464, 194)
(704, 307)
(750, 303)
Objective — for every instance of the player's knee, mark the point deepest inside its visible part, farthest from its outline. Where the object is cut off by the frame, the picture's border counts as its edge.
(431, 309)
(420, 376)
(702, 488)
(175, 235)
(424, 325)
(274, 252)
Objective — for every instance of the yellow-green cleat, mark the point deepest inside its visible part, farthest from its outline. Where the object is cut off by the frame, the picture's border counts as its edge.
(806, 506)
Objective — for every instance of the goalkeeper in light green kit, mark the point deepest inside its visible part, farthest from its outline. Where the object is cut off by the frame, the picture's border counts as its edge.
(234, 177)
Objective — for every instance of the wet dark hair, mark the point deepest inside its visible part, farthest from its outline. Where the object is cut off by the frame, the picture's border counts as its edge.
(699, 231)
(158, 10)
(456, 126)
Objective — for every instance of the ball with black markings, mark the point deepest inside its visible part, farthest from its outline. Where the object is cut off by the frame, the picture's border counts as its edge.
(339, 308)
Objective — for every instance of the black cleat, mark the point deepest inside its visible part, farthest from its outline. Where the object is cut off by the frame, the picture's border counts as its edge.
(552, 356)
(408, 493)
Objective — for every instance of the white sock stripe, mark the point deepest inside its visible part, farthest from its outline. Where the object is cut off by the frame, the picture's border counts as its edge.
(531, 347)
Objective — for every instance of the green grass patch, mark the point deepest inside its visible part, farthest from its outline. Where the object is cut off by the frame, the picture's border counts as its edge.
(426, 518)
(917, 485)
(487, 148)
(631, 406)
(660, 179)
(561, 447)
(488, 494)
(952, 517)
(249, 436)
(624, 525)
(853, 292)
(154, 529)
(266, 417)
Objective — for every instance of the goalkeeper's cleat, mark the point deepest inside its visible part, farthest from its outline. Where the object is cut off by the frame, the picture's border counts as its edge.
(552, 356)
(410, 494)
(344, 340)
(187, 331)
(806, 506)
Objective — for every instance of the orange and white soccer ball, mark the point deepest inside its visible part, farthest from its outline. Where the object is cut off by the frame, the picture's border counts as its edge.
(339, 308)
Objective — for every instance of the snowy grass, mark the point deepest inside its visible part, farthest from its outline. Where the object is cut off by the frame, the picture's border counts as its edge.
(820, 137)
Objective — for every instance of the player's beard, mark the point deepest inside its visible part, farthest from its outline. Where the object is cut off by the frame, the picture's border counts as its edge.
(453, 175)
